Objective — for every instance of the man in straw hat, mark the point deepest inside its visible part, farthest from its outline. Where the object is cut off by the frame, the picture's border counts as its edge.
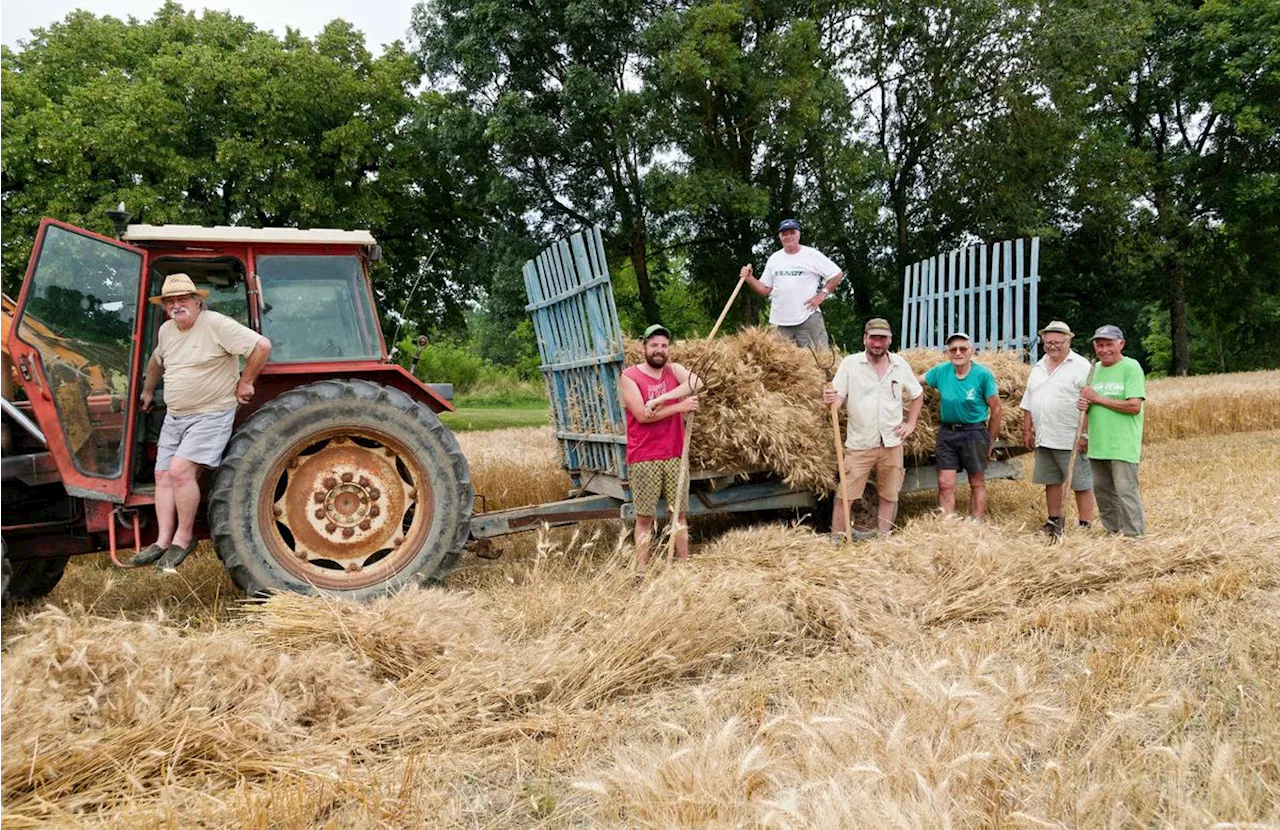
(1114, 437)
(797, 280)
(656, 394)
(874, 381)
(1049, 425)
(197, 353)
(970, 415)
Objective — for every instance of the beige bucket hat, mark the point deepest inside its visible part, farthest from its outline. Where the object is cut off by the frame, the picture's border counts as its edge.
(178, 285)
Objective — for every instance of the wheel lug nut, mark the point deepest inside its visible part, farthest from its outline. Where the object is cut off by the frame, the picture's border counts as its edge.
(354, 566)
(330, 527)
(319, 514)
(277, 511)
(375, 511)
(366, 524)
(330, 482)
(375, 494)
(301, 554)
(318, 498)
(348, 476)
(364, 481)
(293, 463)
(348, 532)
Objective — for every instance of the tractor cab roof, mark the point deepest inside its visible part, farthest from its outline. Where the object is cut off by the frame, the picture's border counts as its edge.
(227, 233)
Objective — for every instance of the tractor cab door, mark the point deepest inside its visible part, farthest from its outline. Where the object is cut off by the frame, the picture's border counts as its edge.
(73, 341)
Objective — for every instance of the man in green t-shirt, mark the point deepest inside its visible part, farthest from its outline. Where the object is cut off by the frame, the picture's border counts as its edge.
(970, 415)
(1114, 438)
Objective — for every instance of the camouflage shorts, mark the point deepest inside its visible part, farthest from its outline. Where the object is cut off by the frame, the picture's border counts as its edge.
(654, 480)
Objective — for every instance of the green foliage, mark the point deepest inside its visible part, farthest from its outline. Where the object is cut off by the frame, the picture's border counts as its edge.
(1137, 138)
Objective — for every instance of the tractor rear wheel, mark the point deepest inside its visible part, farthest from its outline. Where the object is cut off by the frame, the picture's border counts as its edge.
(344, 487)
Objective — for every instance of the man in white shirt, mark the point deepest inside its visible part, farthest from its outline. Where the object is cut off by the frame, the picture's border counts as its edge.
(1049, 425)
(873, 382)
(797, 280)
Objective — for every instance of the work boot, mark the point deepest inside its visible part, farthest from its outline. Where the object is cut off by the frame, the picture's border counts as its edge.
(1052, 528)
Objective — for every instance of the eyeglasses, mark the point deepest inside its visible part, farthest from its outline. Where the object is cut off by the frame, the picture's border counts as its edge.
(1055, 344)
(173, 300)
(958, 350)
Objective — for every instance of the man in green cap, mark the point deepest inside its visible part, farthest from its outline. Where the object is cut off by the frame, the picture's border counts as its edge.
(1114, 439)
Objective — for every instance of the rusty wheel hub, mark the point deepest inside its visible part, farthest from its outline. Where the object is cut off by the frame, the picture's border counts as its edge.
(349, 509)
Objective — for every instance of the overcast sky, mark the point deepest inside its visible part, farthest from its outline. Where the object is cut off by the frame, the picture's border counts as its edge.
(382, 21)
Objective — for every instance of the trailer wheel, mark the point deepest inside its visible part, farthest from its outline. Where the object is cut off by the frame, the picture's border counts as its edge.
(5, 573)
(340, 486)
(28, 579)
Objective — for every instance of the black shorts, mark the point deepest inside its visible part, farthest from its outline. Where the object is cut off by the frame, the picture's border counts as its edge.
(963, 447)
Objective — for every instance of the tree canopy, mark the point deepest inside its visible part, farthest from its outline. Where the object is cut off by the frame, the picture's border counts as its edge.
(1138, 138)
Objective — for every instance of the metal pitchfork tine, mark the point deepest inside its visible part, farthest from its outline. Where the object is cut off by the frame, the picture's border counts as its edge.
(704, 369)
(827, 366)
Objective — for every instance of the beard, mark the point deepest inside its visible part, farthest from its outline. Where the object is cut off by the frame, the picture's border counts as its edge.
(657, 361)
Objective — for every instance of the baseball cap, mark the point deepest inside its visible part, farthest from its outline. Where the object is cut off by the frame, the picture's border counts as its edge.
(958, 335)
(1057, 327)
(656, 328)
(1108, 333)
(877, 325)
(788, 225)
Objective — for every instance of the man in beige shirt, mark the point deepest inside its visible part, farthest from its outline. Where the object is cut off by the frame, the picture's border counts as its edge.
(873, 382)
(197, 352)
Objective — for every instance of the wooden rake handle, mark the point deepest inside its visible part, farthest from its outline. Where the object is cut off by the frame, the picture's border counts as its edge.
(1075, 443)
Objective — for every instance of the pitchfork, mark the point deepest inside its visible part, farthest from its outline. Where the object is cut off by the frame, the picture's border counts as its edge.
(704, 368)
(827, 365)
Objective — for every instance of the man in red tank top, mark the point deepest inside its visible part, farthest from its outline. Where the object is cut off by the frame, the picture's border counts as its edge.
(656, 394)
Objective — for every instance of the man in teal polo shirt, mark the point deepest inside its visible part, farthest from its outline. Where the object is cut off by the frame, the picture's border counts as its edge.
(970, 414)
(1114, 440)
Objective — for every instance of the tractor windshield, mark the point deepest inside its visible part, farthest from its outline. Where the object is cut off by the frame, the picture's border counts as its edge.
(317, 308)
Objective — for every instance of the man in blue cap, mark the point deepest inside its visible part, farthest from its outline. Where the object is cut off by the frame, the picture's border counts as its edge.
(797, 280)
(1114, 437)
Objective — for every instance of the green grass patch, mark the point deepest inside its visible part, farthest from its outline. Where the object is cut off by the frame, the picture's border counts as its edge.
(496, 417)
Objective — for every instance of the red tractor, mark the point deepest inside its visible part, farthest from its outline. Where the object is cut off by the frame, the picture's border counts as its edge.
(339, 477)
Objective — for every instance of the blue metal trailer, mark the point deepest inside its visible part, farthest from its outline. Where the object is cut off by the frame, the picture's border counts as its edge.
(582, 349)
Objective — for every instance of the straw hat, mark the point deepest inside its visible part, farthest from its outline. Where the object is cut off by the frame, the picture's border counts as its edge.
(178, 285)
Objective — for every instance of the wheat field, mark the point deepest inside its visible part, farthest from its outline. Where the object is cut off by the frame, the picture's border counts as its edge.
(952, 675)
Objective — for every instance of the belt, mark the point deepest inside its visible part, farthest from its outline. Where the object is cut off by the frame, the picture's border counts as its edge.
(964, 426)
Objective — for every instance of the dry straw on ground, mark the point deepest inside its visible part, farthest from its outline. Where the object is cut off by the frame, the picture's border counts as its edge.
(951, 675)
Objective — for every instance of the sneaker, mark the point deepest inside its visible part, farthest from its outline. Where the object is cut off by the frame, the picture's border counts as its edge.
(174, 556)
(1085, 525)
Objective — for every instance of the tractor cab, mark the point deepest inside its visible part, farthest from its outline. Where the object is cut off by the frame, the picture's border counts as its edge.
(83, 332)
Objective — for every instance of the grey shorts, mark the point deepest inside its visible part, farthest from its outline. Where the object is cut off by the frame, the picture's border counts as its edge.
(812, 332)
(963, 447)
(198, 438)
(1051, 468)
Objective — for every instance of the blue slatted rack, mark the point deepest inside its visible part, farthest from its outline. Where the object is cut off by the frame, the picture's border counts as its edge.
(581, 346)
(989, 291)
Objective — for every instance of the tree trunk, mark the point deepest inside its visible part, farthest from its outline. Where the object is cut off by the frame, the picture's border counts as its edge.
(1178, 313)
(640, 263)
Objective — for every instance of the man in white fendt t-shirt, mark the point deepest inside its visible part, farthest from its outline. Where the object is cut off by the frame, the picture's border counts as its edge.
(797, 280)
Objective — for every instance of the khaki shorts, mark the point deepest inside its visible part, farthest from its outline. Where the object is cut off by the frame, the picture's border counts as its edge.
(199, 438)
(1051, 468)
(654, 480)
(888, 465)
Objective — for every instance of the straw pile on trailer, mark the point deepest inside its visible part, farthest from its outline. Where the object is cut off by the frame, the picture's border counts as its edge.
(766, 412)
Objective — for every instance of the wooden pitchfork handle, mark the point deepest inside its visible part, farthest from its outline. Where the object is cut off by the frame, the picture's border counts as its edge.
(682, 481)
(1075, 444)
(844, 492)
